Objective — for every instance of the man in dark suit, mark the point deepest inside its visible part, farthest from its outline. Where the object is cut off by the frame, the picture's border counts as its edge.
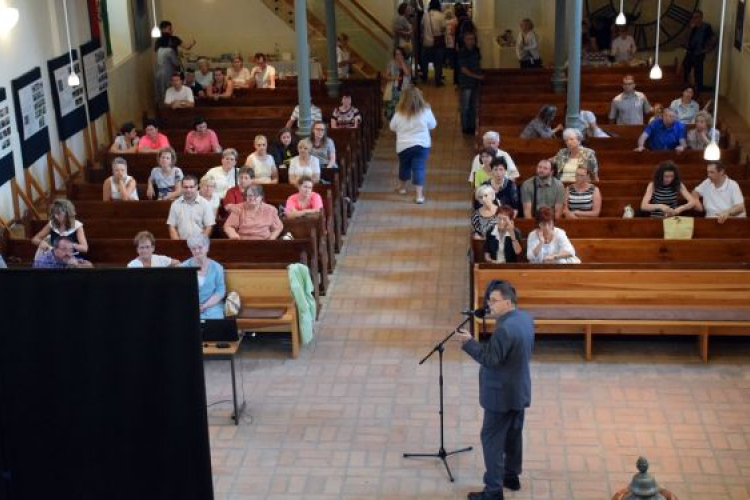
(504, 389)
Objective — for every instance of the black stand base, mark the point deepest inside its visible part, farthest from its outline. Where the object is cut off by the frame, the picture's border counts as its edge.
(442, 455)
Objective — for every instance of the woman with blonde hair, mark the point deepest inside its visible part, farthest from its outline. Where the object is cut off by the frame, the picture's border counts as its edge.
(412, 123)
(262, 163)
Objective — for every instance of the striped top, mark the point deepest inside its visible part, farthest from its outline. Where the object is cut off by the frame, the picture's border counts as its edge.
(581, 200)
(666, 195)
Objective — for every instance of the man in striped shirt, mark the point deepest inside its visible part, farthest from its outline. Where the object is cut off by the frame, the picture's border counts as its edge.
(630, 106)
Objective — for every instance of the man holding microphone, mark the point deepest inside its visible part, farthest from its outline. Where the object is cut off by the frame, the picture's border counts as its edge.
(504, 388)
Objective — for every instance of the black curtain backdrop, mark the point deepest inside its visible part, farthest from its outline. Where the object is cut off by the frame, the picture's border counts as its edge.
(102, 394)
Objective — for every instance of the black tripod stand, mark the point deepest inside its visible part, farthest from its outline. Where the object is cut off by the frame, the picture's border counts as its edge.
(442, 454)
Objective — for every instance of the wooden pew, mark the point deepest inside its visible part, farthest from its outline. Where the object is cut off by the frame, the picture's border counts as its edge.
(597, 300)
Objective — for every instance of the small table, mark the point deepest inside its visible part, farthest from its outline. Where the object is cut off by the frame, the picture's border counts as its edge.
(211, 352)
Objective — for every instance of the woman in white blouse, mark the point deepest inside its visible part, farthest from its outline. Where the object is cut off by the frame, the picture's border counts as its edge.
(239, 74)
(120, 186)
(146, 244)
(263, 164)
(305, 164)
(549, 244)
(685, 107)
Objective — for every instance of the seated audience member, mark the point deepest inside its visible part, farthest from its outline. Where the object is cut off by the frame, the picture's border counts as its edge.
(718, 195)
(152, 141)
(544, 189)
(316, 115)
(201, 140)
(323, 147)
(306, 201)
(178, 95)
(630, 106)
(211, 285)
(145, 244)
(660, 199)
(664, 133)
(62, 224)
(60, 256)
(590, 127)
(503, 242)
(164, 183)
(221, 88)
(304, 165)
(484, 173)
(262, 163)
(568, 159)
(190, 214)
(235, 196)
(238, 74)
(263, 75)
(485, 216)
(193, 84)
(685, 107)
(204, 75)
(491, 139)
(225, 175)
(343, 56)
(126, 141)
(254, 219)
(120, 186)
(506, 191)
(346, 115)
(700, 136)
(582, 199)
(284, 149)
(207, 191)
(541, 126)
(548, 244)
(623, 47)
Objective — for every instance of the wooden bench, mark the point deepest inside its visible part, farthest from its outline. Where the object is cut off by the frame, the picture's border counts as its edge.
(601, 301)
(262, 291)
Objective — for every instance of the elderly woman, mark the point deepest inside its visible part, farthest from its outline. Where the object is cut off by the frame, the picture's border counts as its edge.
(685, 107)
(568, 159)
(346, 115)
(541, 126)
(701, 135)
(145, 243)
(486, 215)
(322, 146)
(262, 163)
(62, 223)
(582, 198)
(152, 141)
(236, 195)
(491, 139)
(306, 201)
(238, 74)
(254, 219)
(661, 196)
(126, 141)
(225, 175)
(204, 75)
(305, 164)
(165, 180)
(207, 191)
(222, 87)
(120, 186)
(201, 140)
(484, 173)
(211, 287)
(503, 242)
(549, 244)
(284, 149)
(506, 191)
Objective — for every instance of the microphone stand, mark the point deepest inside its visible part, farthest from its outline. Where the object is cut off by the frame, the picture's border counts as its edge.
(441, 453)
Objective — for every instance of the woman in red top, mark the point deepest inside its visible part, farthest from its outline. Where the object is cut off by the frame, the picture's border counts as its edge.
(306, 201)
(201, 140)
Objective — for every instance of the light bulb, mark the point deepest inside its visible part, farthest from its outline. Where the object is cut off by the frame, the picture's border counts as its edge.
(155, 32)
(621, 21)
(8, 19)
(712, 152)
(655, 72)
(73, 79)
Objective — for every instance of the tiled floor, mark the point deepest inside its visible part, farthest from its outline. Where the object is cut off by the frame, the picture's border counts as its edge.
(334, 423)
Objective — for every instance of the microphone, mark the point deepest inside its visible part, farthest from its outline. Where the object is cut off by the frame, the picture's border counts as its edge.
(477, 313)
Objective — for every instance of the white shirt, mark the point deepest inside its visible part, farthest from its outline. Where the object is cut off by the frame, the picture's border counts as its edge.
(341, 56)
(240, 78)
(623, 49)
(433, 24)
(511, 171)
(316, 114)
(414, 131)
(718, 200)
(560, 243)
(224, 180)
(527, 47)
(311, 170)
(264, 79)
(184, 94)
(589, 120)
(156, 261)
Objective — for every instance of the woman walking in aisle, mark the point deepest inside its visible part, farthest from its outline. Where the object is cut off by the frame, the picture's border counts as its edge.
(412, 123)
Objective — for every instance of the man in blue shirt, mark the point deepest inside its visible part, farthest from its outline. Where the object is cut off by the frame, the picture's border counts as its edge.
(664, 133)
(60, 257)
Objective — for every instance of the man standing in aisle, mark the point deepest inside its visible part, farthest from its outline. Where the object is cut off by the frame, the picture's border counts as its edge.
(504, 389)
(700, 42)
